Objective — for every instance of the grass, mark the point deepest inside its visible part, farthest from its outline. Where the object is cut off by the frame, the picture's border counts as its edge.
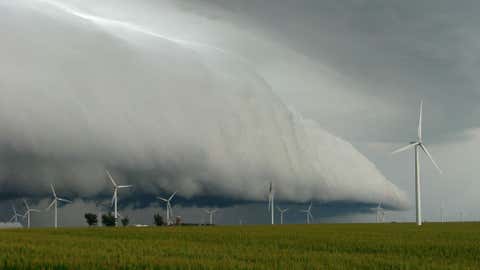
(352, 246)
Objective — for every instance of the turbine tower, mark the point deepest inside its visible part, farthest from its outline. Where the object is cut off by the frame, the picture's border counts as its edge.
(282, 212)
(115, 194)
(211, 213)
(417, 145)
(15, 216)
(28, 212)
(271, 202)
(308, 213)
(380, 213)
(168, 206)
(55, 203)
(442, 213)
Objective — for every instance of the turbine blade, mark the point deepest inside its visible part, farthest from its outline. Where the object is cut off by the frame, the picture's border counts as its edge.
(12, 219)
(114, 195)
(163, 199)
(173, 195)
(26, 204)
(411, 145)
(53, 191)
(431, 158)
(125, 186)
(64, 200)
(420, 122)
(51, 204)
(111, 178)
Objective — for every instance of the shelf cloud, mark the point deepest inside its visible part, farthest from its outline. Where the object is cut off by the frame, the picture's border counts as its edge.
(83, 90)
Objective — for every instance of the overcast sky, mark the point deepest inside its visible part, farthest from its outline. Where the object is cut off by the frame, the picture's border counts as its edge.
(358, 69)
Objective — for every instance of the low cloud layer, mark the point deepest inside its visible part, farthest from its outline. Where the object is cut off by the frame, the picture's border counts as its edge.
(81, 93)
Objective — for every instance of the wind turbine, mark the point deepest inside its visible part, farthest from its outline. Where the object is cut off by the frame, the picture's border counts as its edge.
(211, 213)
(115, 194)
(15, 215)
(55, 203)
(442, 213)
(380, 213)
(417, 145)
(28, 212)
(282, 211)
(308, 213)
(169, 206)
(271, 202)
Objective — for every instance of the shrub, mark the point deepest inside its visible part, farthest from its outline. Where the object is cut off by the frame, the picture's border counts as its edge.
(92, 219)
(125, 221)
(158, 220)
(108, 220)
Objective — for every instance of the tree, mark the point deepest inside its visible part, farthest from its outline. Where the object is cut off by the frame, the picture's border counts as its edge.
(92, 219)
(158, 219)
(108, 220)
(125, 221)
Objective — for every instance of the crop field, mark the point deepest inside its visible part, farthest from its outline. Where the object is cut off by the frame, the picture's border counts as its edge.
(352, 246)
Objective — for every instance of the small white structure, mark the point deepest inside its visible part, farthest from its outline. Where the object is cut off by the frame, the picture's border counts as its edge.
(10, 225)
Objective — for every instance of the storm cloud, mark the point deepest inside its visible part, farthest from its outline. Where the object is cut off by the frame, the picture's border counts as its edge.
(88, 89)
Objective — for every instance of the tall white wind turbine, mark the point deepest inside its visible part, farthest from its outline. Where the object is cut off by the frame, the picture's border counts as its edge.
(15, 216)
(380, 213)
(115, 194)
(308, 213)
(168, 206)
(282, 212)
(28, 212)
(271, 202)
(211, 214)
(54, 203)
(417, 145)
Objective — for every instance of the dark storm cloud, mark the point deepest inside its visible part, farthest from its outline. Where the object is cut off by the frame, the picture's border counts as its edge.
(396, 51)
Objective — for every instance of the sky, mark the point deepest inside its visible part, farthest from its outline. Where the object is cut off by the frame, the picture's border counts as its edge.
(216, 98)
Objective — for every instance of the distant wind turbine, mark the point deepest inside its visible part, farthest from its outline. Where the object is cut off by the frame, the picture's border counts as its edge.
(282, 212)
(271, 202)
(417, 145)
(211, 213)
(168, 206)
(15, 216)
(308, 213)
(55, 204)
(380, 213)
(28, 212)
(115, 194)
(442, 213)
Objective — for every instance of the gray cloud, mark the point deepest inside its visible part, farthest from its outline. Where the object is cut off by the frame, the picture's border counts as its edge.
(81, 93)
(390, 54)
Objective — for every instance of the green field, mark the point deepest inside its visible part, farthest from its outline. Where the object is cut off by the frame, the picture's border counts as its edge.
(355, 246)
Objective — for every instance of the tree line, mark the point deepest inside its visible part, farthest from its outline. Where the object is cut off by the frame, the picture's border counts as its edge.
(108, 220)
